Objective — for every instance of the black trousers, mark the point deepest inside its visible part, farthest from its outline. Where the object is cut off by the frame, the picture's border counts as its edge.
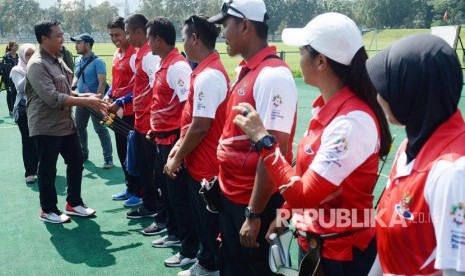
(207, 226)
(28, 148)
(180, 222)
(151, 196)
(132, 182)
(48, 148)
(236, 259)
(10, 94)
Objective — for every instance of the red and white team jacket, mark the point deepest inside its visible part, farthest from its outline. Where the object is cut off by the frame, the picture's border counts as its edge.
(170, 91)
(123, 73)
(337, 163)
(421, 215)
(208, 97)
(270, 88)
(146, 63)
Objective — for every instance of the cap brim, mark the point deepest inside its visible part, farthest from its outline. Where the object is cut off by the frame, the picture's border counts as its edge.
(219, 18)
(294, 37)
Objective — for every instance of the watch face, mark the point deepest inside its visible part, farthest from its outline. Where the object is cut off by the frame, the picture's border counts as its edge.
(268, 141)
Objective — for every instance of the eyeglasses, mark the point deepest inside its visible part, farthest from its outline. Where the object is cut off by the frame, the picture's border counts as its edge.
(227, 6)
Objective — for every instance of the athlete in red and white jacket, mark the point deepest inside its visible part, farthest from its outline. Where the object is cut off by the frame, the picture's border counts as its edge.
(337, 159)
(202, 123)
(421, 216)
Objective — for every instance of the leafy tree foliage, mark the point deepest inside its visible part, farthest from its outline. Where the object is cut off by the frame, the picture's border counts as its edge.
(19, 16)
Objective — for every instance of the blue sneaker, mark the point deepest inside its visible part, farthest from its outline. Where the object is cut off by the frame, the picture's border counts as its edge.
(122, 195)
(133, 201)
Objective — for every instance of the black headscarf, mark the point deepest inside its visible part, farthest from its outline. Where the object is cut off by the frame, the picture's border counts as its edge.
(421, 78)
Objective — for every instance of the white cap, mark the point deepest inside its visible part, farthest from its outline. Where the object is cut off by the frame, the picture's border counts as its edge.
(254, 10)
(334, 35)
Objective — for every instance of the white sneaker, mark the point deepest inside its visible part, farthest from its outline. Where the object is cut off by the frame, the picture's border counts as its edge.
(80, 210)
(198, 270)
(179, 260)
(30, 179)
(54, 217)
(166, 241)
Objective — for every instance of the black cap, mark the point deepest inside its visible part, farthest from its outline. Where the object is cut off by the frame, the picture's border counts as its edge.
(83, 37)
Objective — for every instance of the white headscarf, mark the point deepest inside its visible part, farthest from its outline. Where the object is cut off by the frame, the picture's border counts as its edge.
(21, 67)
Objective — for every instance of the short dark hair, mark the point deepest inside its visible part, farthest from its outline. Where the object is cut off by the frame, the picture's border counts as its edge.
(206, 31)
(136, 21)
(162, 27)
(43, 27)
(116, 22)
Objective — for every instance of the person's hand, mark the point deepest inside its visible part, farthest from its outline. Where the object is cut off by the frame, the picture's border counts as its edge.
(150, 135)
(274, 228)
(113, 108)
(171, 167)
(249, 121)
(93, 101)
(107, 99)
(249, 232)
(173, 151)
(86, 95)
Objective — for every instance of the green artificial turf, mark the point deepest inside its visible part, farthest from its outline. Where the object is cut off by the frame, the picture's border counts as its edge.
(108, 244)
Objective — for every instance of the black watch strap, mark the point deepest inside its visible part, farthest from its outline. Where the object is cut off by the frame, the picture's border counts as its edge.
(250, 215)
(267, 142)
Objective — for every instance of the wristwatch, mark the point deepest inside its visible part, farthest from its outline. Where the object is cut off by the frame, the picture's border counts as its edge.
(267, 142)
(250, 215)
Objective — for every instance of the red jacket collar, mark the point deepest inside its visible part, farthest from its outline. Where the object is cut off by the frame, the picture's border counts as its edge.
(166, 62)
(329, 110)
(204, 63)
(258, 57)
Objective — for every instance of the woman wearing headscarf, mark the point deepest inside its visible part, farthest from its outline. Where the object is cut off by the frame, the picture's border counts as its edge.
(338, 157)
(18, 76)
(9, 60)
(419, 82)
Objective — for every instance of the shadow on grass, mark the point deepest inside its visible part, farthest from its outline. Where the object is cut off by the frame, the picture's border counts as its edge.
(112, 176)
(60, 185)
(86, 243)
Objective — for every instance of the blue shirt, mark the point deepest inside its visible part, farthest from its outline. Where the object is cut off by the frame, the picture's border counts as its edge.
(88, 82)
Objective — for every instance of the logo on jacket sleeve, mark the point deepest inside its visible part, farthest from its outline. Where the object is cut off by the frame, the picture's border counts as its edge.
(457, 213)
(182, 88)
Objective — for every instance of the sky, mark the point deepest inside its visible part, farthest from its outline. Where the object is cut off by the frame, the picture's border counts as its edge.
(133, 4)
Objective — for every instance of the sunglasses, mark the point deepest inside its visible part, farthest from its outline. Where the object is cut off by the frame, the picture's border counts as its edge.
(193, 24)
(227, 6)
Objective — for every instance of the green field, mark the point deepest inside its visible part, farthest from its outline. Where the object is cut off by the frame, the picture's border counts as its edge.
(374, 41)
(109, 244)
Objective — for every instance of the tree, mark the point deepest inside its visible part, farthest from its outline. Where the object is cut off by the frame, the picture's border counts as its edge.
(300, 12)
(277, 11)
(100, 15)
(76, 18)
(16, 16)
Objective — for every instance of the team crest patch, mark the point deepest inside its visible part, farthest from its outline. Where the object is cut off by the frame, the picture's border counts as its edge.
(241, 90)
(181, 82)
(457, 213)
(403, 207)
(308, 150)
